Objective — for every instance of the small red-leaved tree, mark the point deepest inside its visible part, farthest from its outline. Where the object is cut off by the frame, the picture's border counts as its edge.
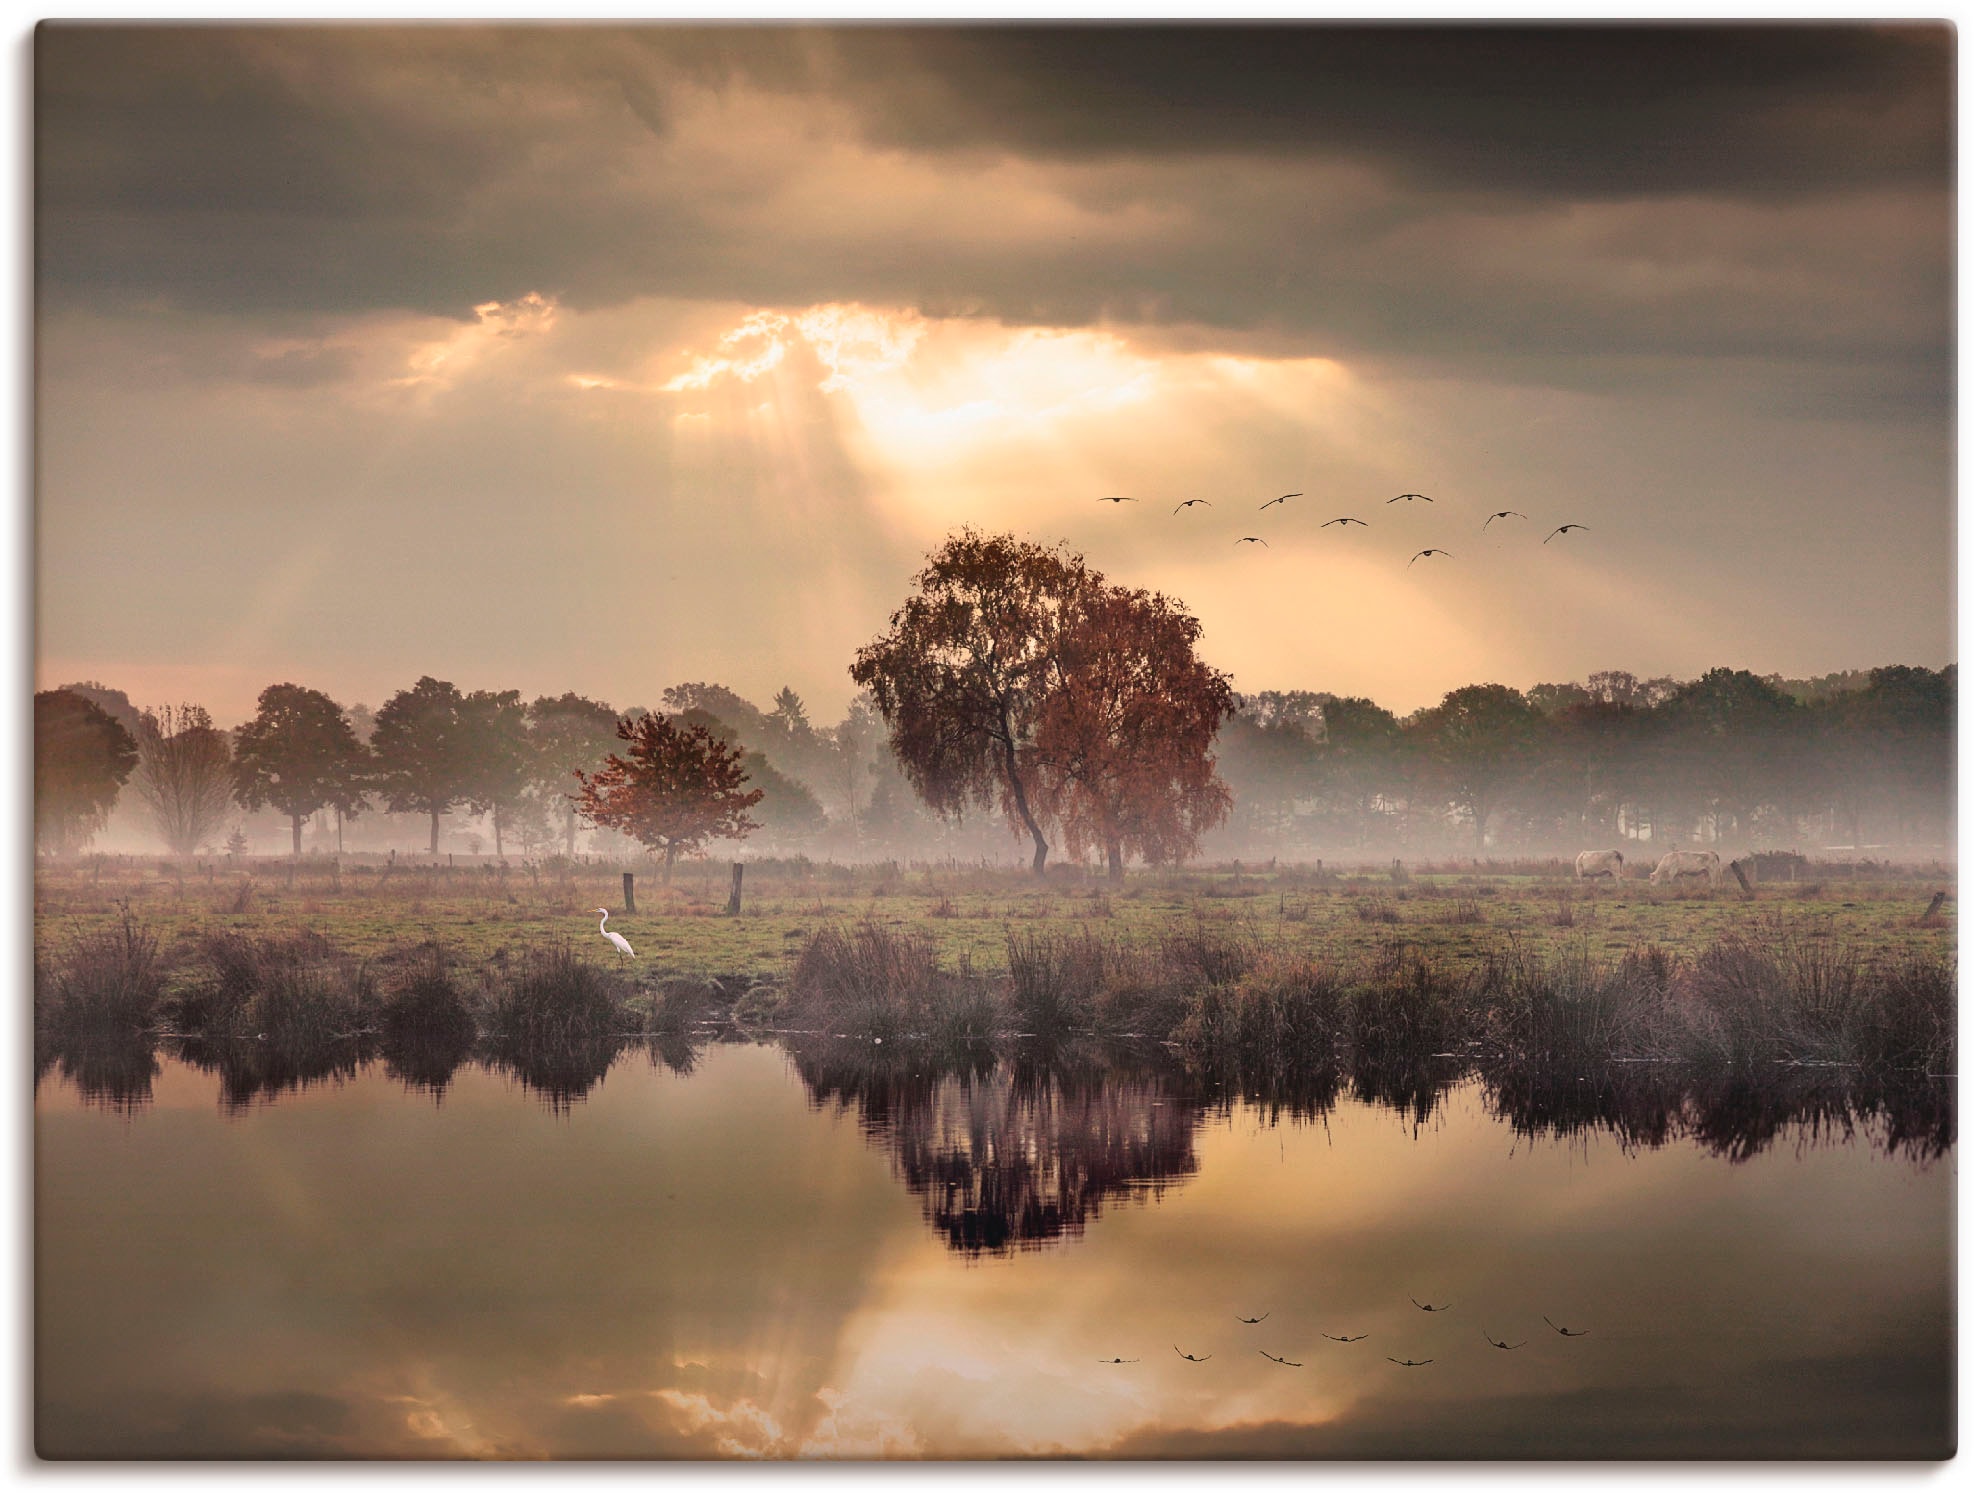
(675, 789)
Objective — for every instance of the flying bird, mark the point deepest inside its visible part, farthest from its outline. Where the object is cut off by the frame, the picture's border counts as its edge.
(1117, 1360)
(1503, 513)
(1117, 500)
(1355, 1339)
(1254, 1319)
(1280, 499)
(1250, 539)
(1560, 531)
(617, 940)
(1276, 1359)
(1412, 1363)
(1193, 1358)
(1562, 1330)
(1497, 1344)
(1411, 497)
(1421, 1307)
(1426, 554)
(1332, 521)
(1190, 503)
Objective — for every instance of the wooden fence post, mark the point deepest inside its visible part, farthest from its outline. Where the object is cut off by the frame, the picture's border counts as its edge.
(735, 890)
(626, 877)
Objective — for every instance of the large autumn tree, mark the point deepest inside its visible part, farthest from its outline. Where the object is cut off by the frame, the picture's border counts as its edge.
(961, 676)
(298, 755)
(82, 756)
(675, 788)
(1015, 677)
(1123, 741)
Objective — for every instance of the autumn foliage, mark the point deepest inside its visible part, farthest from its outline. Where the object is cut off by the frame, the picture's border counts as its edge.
(674, 789)
(1123, 743)
(1017, 677)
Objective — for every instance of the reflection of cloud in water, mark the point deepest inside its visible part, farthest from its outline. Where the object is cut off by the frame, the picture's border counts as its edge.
(724, 1265)
(1010, 1155)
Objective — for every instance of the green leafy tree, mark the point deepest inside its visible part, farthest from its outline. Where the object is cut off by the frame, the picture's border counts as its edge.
(82, 756)
(298, 755)
(674, 789)
(423, 752)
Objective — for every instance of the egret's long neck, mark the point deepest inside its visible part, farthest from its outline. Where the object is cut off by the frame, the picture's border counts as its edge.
(601, 919)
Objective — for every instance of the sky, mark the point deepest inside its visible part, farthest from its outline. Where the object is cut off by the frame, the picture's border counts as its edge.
(606, 358)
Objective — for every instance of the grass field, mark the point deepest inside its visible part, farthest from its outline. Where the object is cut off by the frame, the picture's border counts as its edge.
(480, 913)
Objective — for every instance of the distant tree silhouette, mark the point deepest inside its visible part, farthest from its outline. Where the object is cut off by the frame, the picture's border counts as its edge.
(963, 674)
(790, 812)
(674, 789)
(82, 756)
(787, 712)
(423, 752)
(568, 733)
(499, 765)
(1475, 746)
(184, 775)
(112, 702)
(298, 755)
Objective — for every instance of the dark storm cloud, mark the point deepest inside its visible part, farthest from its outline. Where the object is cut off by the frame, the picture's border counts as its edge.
(1507, 202)
(1601, 110)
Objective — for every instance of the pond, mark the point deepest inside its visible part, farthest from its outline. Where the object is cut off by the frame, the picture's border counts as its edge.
(808, 1248)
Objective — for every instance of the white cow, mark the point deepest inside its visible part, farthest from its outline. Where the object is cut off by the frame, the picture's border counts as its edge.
(1593, 863)
(1678, 863)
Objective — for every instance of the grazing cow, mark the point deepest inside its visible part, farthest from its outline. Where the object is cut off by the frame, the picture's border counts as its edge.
(1678, 863)
(1593, 863)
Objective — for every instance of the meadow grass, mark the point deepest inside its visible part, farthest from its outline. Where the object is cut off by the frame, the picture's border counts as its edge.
(478, 913)
(1514, 966)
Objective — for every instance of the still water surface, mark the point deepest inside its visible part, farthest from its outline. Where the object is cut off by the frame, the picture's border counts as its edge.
(762, 1252)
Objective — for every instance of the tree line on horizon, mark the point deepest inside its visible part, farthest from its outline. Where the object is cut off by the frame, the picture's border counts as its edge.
(1018, 693)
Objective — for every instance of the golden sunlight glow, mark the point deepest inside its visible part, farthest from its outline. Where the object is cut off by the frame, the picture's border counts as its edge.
(437, 363)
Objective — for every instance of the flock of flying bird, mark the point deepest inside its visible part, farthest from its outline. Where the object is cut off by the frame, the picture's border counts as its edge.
(1408, 1363)
(1406, 497)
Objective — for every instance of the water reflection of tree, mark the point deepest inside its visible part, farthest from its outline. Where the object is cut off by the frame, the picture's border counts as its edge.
(1010, 1153)
(1736, 1116)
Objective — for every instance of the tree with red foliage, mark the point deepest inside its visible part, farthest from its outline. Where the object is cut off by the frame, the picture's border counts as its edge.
(1017, 677)
(675, 788)
(1123, 743)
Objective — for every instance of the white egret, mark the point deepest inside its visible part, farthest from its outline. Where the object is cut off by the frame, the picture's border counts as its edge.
(618, 940)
